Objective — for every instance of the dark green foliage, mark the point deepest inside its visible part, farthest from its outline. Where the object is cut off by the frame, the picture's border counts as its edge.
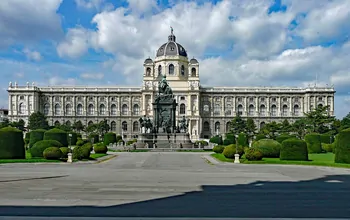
(218, 149)
(11, 143)
(268, 147)
(294, 149)
(94, 137)
(259, 137)
(238, 125)
(313, 143)
(79, 136)
(65, 151)
(342, 147)
(130, 142)
(81, 152)
(230, 151)
(39, 147)
(328, 147)
(27, 138)
(81, 142)
(119, 138)
(109, 138)
(100, 148)
(88, 145)
(326, 138)
(74, 138)
(230, 139)
(283, 137)
(35, 136)
(242, 140)
(318, 120)
(216, 140)
(203, 143)
(52, 153)
(37, 120)
(253, 154)
(58, 135)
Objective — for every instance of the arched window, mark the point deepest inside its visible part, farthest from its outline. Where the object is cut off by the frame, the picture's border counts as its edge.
(68, 123)
(284, 110)
(320, 106)
(125, 126)
(171, 69)
(273, 110)
(193, 72)
(262, 110)
(217, 109)
(90, 123)
(217, 126)
(102, 109)
(206, 126)
(182, 109)
(79, 109)
(182, 70)
(240, 109)
(262, 124)
(228, 126)
(159, 70)
(136, 109)
(113, 109)
(21, 108)
(91, 109)
(113, 126)
(69, 110)
(124, 109)
(228, 110)
(57, 109)
(135, 126)
(296, 110)
(57, 123)
(251, 110)
(148, 71)
(46, 109)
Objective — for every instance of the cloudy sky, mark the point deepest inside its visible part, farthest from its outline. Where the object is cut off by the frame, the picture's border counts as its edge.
(238, 43)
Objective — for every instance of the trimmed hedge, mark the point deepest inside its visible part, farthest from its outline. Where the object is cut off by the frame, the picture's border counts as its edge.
(89, 146)
(253, 154)
(110, 138)
(202, 142)
(259, 137)
(328, 147)
(94, 137)
(268, 147)
(81, 152)
(294, 149)
(342, 147)
(57, 135)
(11, 143)
(230, 139)
(313, 143)
(326, 138)
(74, 138)
(52, 153)
(65, 151)
(27, 138)
(81, 142)
(100, 148)
(242, 140)
(230, 151)
(39, 147)
(216, 140)
(218, 149)
(130, 142)
(283, 137)
(35, 136)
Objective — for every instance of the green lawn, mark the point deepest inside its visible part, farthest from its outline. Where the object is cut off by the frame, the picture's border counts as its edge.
(95, 156)
(326, 159)
(28, 159)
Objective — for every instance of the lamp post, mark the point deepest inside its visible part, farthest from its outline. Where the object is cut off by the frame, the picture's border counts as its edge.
(236, 155)
(70, 160)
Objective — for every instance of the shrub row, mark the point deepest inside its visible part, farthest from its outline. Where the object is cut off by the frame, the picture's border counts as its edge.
(11, 143)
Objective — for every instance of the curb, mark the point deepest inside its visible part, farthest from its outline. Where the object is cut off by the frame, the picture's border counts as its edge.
(105, 158)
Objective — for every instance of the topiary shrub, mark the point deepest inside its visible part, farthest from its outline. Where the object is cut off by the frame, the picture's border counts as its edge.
(230, 139)
(65, 151)
(81, 152)
(100, 148)
(216, 140)
(259, 137)
(326, 138)
(81, 142)
(57, 135)
(242, 140)
(35, 136)
(73, 140)
(268, 147)
(313, 142)
(253, 154)
(283, 137)
(39, 147)
(109, 138)
(88, 145)
(342, 147)
(328, 147)
(218, 149)
(52, 153)
(79, 136)
(94, 137)
(130, 142)
(11, 143)
(230, 151)
(202, 142)
(294, 149)
(27, 138)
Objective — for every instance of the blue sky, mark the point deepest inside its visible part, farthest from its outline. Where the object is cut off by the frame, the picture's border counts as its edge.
(104, 42)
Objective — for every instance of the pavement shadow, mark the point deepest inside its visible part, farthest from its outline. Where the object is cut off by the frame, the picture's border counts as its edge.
(326, 197)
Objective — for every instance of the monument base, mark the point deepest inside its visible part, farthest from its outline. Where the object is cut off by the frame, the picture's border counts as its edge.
(164, 140)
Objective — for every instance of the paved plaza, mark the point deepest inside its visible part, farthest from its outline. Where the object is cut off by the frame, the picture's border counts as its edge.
(172, 184)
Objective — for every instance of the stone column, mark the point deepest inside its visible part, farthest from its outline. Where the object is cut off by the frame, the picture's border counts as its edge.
(279, 113)
(257, 106)
(290, 106)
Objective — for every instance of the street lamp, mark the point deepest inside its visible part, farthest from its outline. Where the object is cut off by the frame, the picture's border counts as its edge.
(236, 155)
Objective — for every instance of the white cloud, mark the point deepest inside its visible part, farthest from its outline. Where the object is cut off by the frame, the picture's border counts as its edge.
(94, 5)
(75, 44)
(28, 21)
(142, 6)
(32, 55)
(95, 76)
(56, 80)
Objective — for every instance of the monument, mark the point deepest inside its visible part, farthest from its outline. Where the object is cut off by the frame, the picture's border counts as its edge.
(163, 131)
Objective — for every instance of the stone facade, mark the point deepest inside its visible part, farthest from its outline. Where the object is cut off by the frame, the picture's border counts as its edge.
(210, 109)
(3, 114)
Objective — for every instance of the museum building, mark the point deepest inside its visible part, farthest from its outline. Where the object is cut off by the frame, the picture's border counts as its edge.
(210, 109)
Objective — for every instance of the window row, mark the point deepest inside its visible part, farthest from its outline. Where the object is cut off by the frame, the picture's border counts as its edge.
(113, 125)
(91, 109)
(171, 70)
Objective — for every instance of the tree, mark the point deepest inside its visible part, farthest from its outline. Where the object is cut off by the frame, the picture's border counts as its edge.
(78, 126)
(285, 126)
(64, 127)
(345, 122)
(250, 127)
(238, 125)
(103, 127)
(38, 120)
(336, 127)
(319, 120)
(92, 128)
(5, 123)
(270, 129)
(299, 127)
(19, 125)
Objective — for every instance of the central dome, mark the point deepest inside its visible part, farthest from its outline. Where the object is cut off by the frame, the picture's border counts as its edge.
(171, 48)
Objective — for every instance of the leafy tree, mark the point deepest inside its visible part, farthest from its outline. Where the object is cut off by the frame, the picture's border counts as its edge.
(92, 128)
(319, 120)
(19, 125)
(299, 127)
(4, 123)
(64, 127)
(285, 126)
(38, 120)
(345, 122)
(103, 127)
(250, 127)
(78, 126)
(336, 127)
(270, 129)
(238, 125)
